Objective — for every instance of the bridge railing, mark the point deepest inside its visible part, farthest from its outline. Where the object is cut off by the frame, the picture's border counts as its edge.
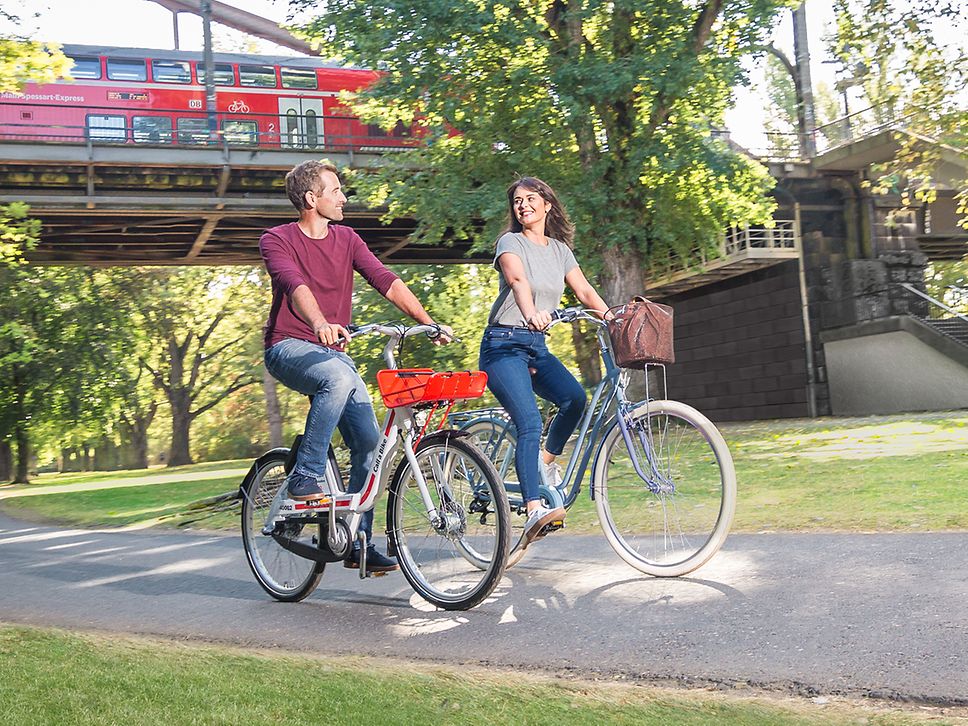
(49, 124)
(780, 240)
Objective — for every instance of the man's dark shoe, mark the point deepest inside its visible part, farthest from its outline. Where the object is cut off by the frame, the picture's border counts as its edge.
(305, 488)
(376, 562)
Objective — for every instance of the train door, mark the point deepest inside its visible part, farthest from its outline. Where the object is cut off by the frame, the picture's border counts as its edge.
(301, 123)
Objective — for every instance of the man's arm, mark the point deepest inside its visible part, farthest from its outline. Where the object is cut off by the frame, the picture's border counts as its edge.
(307, 307)
(401, 296)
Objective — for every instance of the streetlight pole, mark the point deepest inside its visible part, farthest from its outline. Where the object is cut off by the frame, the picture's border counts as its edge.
(801, 53)
(209, 63)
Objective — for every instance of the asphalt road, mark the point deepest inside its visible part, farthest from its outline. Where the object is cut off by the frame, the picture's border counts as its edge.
(883, 615)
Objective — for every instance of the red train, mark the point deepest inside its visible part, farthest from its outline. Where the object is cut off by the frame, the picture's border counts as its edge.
(142, 96)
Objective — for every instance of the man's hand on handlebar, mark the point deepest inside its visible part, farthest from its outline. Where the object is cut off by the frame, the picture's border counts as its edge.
(332, 334)
(445, 336)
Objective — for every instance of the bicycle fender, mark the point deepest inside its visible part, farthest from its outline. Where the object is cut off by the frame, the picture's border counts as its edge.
(444, 435)
(255, 467)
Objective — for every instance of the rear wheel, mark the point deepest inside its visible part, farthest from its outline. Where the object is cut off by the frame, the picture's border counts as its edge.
(678, 517)
(455, 557)
(283, 574)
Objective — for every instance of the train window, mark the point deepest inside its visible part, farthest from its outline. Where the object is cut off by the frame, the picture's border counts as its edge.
(240, 132)
(401, 130)
(257, 75)
(312, 130)
(223, 75)
(106, 128)
(298, 77)
(151, 129)
(163, 71)
(127, 69)
(193, 131)
(86, 68)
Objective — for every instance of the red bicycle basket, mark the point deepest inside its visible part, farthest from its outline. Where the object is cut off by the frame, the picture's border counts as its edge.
(407, 386)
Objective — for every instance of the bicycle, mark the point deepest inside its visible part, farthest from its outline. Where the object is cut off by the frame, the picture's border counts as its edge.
(662, 479)
(447, 511)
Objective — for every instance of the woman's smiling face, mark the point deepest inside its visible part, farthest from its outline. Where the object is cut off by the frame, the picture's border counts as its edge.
(530, 208)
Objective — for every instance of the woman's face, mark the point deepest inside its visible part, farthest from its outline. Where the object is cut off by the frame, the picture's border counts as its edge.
(530, 208)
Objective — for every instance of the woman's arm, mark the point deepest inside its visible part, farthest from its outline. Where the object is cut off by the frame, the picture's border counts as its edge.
(513, 271)
(584, 291)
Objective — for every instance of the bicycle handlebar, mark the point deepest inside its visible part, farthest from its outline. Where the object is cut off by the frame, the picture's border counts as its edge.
(573, 314)
(397, 330)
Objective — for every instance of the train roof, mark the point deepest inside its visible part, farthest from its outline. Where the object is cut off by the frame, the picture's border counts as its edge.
(299, 61)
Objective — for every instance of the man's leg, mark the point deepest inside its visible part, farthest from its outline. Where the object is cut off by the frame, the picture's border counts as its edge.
(330, 378)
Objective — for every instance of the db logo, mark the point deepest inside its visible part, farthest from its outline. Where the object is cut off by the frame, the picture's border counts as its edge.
(238, 107)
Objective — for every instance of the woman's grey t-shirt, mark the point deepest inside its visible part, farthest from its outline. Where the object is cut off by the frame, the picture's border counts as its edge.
(545, 267)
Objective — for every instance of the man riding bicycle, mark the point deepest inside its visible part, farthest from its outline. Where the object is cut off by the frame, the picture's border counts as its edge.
(311, 263)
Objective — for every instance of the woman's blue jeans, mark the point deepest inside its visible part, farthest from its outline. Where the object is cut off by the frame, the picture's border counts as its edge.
(508, 355)
(339, 399)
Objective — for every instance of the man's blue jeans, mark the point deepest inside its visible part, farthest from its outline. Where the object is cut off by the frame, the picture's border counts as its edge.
(508, 355)
(340, 399)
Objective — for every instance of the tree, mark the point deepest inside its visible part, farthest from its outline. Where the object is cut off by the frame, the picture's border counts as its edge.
(55, 356)
(909, 76)
(611, 103)
(203, 346)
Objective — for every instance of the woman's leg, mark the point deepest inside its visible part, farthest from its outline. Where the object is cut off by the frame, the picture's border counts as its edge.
(553, 382)
(509, 379)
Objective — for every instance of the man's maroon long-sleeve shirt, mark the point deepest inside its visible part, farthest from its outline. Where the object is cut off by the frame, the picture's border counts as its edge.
(325, 266)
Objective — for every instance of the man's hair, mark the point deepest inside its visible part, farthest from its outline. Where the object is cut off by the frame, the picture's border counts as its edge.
(305, 178)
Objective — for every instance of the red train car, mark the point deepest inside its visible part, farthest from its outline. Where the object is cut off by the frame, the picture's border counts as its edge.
(144, 96)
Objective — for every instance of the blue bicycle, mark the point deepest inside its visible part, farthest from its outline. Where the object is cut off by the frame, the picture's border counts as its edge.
(662, 477)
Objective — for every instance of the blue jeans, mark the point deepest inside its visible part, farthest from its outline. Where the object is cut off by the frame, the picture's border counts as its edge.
(339, 399)
(507, 356)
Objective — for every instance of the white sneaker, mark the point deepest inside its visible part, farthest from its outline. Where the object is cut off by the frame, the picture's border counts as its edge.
(540, 518)
(550, 473)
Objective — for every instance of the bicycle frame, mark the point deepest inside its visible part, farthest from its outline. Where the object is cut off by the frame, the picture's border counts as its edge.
(611, 389)
(339, 502)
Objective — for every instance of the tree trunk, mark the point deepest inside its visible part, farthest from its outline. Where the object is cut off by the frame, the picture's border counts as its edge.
(586, 355)
(272, 409)
(139, 446)
(6, 461)
(22, 475)
(622, 279)
(181, 422)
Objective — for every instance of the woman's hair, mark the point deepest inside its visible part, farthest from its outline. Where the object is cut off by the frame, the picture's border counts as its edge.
(557, 224)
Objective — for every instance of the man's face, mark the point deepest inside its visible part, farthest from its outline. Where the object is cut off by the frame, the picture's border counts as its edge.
(328, 198)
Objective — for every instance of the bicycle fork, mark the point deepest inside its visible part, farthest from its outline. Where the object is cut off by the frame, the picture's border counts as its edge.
(655, 481)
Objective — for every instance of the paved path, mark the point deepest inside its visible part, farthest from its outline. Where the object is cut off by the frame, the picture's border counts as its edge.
(880, 615)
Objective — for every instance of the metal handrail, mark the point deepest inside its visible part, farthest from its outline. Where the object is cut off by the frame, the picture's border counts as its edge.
(938, 303)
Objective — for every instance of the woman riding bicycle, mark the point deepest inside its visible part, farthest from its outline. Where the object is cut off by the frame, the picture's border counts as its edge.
(535, 261)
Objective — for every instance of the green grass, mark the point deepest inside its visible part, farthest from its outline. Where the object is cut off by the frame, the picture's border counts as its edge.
(120, 506)
(50, 677)
(885, 473)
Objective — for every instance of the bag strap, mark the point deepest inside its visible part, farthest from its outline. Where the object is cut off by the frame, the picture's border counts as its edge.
(635, 299)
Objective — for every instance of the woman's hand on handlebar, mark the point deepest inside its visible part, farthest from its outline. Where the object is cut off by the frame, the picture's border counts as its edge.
(540, 320)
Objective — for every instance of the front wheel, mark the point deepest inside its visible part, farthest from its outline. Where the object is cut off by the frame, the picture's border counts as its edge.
(678, 517)
(283, 574)
(455, 555)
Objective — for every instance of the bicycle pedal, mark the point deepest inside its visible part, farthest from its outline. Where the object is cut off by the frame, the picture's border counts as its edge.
(553, 526)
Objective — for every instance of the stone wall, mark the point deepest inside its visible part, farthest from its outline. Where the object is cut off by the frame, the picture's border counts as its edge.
(740, 347)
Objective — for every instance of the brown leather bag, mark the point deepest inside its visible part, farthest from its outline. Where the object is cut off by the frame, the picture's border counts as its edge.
(641, 333)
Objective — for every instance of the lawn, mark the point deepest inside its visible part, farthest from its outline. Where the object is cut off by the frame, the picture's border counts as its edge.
(884, 473)
(51, 677)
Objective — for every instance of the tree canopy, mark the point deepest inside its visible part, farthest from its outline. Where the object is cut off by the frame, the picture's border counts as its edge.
(614, 104)
(909, 73)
